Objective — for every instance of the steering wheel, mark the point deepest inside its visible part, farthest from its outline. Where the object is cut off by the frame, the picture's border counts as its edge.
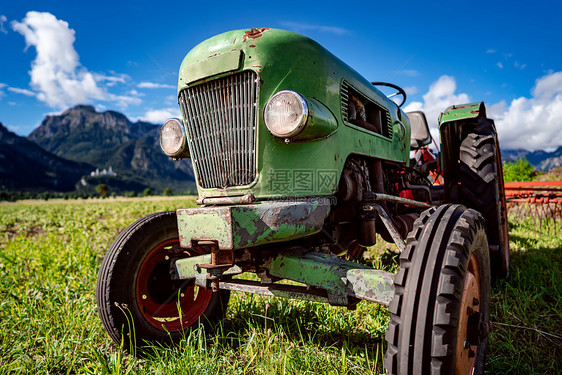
(399, 91)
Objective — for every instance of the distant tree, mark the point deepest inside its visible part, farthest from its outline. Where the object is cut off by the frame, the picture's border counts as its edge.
(147, 192)
(102, 190)
(518, 171)
(168, 192)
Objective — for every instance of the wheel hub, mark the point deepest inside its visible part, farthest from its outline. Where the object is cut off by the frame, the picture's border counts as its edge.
(168, 304)
(472, 327)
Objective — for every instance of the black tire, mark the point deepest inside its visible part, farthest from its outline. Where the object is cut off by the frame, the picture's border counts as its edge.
(445, 250)
(137, 299)
(481, 187)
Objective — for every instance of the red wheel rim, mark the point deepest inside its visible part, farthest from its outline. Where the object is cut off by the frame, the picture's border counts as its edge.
(470, 304)
(168, 305)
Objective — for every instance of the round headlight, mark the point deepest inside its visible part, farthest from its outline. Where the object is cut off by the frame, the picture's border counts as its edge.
(286, 114)
(172, 138)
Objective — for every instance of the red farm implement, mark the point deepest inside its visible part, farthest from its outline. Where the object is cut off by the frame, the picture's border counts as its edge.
(539, 199)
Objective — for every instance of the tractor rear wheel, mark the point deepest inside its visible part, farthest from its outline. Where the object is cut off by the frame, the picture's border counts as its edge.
(481, 187)
(137, 299)
(441, 306)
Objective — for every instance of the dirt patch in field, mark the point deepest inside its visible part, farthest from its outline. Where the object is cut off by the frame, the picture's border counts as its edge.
(11, 231)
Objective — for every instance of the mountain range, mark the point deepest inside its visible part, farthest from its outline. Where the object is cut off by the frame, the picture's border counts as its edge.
(541, 160)
(104, 141)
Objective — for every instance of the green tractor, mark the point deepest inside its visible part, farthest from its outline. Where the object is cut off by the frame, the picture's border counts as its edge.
(299, 163)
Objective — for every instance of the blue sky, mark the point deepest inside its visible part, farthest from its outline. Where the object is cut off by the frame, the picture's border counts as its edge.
(125, 56)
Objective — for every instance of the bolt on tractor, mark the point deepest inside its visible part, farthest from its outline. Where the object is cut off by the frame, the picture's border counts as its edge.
(299, 163)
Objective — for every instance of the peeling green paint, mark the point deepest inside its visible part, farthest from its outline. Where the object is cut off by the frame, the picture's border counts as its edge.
(461, 112)
(339, 277)
(240, 226)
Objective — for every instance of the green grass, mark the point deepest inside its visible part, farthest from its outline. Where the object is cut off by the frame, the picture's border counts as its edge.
(50, 253)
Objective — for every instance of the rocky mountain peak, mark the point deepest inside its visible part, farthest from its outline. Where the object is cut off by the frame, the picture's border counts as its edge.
(72, 133)
(109, 138)
(80, 108)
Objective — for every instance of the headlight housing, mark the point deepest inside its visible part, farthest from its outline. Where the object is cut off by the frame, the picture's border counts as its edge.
(286, 114)
(173, 140)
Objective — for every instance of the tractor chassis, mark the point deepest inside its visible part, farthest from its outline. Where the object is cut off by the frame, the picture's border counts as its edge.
(328, 278)
(232, 239)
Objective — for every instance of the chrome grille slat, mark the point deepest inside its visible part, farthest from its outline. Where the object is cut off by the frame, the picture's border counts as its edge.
(253, 103)
(193, 131)
(220, 118)
(239, 137)
(242, 120)
(218, 149)
(234, 124)
(205, 133)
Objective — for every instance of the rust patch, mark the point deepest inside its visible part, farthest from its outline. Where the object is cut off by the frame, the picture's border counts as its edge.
(475, 112)
(254, 33)
(462, 106)
(252, 46)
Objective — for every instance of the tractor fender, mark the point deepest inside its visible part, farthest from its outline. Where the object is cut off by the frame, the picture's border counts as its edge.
(453, 123)
(462, 112)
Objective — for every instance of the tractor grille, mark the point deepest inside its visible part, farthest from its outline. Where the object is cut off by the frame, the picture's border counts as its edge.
(220, 117)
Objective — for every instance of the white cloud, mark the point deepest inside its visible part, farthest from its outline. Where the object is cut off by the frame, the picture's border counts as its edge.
(151, 85)
(56, 73)
(535, 122)
(112, 79)
(135, 93)
(2, 20)
(171, 100)
(490, 50)
(301, 27)
(21, 91)
(499, 65)
(441, 95)
(411, 90)
(158, 116)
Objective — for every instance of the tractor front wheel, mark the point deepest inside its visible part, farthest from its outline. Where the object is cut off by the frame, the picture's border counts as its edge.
(137, 299)
(440, 311)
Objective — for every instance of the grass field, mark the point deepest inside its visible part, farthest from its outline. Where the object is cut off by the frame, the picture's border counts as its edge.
(50, 253)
